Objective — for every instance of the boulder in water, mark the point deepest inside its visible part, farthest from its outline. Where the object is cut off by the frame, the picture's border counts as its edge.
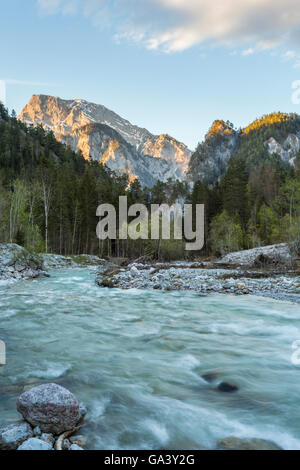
(51, 407)
(227, 387)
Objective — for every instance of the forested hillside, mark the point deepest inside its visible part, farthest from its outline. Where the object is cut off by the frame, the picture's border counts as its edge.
(257, 200)
(49, 194)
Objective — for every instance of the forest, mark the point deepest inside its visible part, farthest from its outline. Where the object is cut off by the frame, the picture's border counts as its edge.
(49, 195)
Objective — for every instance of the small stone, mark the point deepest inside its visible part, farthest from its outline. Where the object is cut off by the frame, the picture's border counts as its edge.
(37, 431)
(19, 267)
(134, 271)
(75, 447)
(48, 438)
(12, 436)
(35, 444)
(241, 286)
(78, 440)
(227, 387)
(66, 444)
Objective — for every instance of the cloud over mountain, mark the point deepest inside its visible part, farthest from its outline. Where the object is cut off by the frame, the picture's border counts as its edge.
(176, 25)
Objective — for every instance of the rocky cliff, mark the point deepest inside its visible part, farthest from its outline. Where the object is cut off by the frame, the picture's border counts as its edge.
(272, 138)
(103, 135)
(211, 158)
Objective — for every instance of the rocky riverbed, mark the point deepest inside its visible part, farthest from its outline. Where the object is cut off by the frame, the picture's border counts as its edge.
(267, 271)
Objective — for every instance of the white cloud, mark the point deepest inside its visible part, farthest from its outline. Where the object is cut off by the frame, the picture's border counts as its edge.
(289, 55)
(176, 25)
(249, 51)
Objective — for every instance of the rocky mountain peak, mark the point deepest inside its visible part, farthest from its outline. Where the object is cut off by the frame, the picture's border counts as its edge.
(222, 128)
(128, 150)
(272, 136)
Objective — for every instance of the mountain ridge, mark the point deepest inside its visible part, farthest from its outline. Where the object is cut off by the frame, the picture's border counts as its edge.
(63, 117)
(273, 138)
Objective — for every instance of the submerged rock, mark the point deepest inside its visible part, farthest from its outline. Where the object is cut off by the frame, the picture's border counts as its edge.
(35, 444)
(12, 436)
(211, 376)
(227, 387)
(234, 443)
(51, 407)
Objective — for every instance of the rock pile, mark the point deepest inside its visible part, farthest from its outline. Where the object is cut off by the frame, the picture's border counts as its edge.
(16, 263)
(204, 280)
(52, 415)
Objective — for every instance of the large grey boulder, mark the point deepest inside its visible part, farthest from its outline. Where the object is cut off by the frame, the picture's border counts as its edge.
(35, 444)
(12, 436)
(272, 255)
(51, 407)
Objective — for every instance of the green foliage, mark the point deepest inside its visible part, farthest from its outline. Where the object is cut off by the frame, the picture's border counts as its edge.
(226, 234)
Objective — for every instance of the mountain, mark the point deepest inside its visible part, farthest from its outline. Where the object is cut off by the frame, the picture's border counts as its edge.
(274, 138)
(103, 135)
(211, 158)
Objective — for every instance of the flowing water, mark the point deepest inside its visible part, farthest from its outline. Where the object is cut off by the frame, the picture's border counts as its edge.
(136, 359)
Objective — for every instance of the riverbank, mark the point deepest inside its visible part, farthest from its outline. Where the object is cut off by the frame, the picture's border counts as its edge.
(16, 263)
(267, 271)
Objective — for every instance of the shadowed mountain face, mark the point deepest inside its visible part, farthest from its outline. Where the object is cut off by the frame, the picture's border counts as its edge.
(103, 135)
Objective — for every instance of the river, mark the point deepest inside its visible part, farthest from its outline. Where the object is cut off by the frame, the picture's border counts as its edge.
(136, 359)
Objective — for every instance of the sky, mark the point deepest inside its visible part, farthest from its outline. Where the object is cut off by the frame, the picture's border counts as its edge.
(171, 66)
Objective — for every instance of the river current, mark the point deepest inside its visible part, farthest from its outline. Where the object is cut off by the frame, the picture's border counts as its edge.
(137, 359)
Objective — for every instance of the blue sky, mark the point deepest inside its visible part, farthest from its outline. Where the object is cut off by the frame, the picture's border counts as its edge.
(170, 66)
